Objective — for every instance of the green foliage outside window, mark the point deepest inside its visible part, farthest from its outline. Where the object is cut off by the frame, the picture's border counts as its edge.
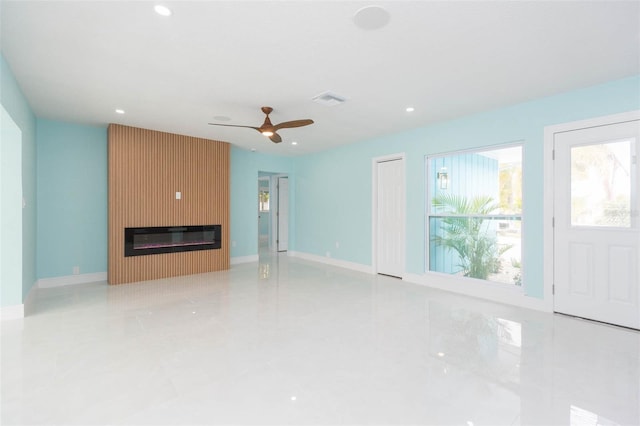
(470, 237)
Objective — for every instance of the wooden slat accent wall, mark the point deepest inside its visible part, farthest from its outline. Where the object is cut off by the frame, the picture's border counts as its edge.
(146, 169)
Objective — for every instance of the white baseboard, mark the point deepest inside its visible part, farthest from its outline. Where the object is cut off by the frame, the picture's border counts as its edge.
(11, 312)
(19, 311)
(494, 292)
(71, 280)
(368, 269)
(29, 300)
(244, 259)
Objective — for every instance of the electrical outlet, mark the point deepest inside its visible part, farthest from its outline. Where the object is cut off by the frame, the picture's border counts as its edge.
(76, 270)
(233, 243)
(337, 244)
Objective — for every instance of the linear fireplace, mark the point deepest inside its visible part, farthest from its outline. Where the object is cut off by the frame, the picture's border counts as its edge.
(171, 239)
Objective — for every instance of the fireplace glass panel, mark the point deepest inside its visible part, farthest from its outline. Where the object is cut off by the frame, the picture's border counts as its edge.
(153, 240)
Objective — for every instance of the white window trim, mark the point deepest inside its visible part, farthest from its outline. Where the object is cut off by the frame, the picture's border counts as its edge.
(466, 282)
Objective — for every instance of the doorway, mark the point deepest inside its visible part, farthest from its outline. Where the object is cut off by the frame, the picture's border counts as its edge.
(389, 215)
(273, 212)
(264, 212)
(596, 229)
(282, 215)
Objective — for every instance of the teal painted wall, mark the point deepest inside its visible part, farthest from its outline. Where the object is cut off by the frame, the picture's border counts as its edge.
(245, 167)
(333, 202)
(72, 198)
(333, 188)
(330, 191)
(15, 103)
(72, 194)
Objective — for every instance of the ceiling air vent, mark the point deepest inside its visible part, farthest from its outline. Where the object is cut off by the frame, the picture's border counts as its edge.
(328, 99)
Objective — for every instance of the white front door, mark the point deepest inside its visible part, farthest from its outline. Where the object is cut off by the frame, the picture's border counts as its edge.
(597, 229)
(283, 214)
(390, 217)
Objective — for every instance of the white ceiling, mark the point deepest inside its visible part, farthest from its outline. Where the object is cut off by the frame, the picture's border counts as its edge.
(78, 61)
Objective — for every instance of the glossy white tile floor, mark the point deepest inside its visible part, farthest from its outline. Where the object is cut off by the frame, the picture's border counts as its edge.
(292, 342)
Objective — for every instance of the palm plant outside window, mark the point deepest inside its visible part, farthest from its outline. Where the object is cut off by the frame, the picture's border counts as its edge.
(475, 214)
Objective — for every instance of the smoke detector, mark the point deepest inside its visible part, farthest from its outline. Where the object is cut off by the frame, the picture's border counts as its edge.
(328, 99)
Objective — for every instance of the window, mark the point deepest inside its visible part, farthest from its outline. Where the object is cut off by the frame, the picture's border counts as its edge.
(601, 184)
(474, 214)
(264, 200)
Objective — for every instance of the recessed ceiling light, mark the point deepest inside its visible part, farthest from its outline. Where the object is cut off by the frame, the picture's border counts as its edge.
(410, 109)
(162, 10)
(440, 354)
(120, 111)
(294, 143)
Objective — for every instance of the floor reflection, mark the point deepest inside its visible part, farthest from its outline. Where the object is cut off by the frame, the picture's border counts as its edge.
(288, 341)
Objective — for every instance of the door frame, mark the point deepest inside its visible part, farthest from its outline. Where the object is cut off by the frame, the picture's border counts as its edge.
(374, 208)
(274, 196)
(276, 237)
(549, 187)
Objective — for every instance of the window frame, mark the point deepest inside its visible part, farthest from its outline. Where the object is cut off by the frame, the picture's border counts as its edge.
(431, 174)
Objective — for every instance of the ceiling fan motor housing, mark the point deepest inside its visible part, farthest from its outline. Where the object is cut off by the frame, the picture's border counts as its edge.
(268, 129)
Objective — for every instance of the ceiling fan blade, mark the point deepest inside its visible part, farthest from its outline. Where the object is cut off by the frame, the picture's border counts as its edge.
(269, 129)
(235, 125)
(294, 123)
(275, 138)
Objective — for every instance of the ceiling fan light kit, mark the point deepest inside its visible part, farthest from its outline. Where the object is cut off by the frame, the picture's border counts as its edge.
(269, 130)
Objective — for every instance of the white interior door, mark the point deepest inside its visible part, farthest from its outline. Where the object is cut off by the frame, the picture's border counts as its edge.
(596, 232)
(283, 214)
(390, 217)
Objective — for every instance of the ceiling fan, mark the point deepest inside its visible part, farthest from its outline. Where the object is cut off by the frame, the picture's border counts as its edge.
(269, 130)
